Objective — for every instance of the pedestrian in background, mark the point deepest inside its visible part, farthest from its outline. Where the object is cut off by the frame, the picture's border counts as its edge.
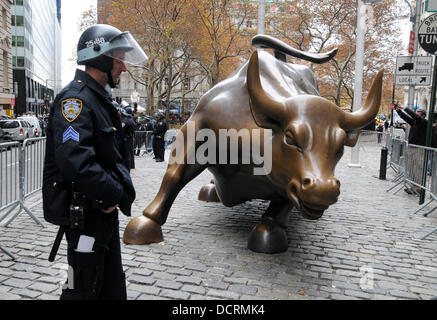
(85, 178)
(417, 133)
(128, 128)
(417, 121)
(380, 129)
(158, 137)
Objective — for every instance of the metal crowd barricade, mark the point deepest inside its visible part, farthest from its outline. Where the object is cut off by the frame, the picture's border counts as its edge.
(29, 180)
(418, 160)
(143, 142)
(9, 177)
(397, 160)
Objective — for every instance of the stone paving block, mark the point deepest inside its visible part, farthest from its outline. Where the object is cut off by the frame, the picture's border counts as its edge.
(168, 284)
(189, 280)
(215, 284)
(17, 283)
(143, 289)
(223, 294)
(193, 289)
(26, 293)
(44, 287)
(403, 294)
(173, 294)
(179, 271)
(9, 296)
(138, 279)
(243, 289)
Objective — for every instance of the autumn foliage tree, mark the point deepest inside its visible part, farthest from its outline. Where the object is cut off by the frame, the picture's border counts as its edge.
(331, 24)
(211, 38)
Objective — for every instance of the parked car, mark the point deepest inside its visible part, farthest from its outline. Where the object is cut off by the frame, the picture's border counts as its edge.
(34, 122)
(17, 129)
(4, 136)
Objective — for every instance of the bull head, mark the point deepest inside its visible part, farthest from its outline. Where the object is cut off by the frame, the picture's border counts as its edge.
(310, 133)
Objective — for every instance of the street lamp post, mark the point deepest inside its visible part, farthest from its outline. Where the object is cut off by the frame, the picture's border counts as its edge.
(359, 63)
(261, 16)
(415, 19)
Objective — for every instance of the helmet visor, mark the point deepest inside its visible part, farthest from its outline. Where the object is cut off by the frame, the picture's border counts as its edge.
(125, 48)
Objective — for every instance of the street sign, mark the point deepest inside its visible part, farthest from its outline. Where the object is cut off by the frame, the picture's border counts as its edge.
(431, 5)
(413, 70)
(428, 34)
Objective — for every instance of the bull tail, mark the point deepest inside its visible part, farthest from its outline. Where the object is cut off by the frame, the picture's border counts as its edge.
(281, 49)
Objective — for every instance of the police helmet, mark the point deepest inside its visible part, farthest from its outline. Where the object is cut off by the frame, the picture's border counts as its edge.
(127, 111)
(116, 105)
(103, 39)
(101, 43)
(124, 104)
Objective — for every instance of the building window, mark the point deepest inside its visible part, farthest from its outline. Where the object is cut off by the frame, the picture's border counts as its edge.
(5, 70)
(18, 61)
(5, 23)
(19, 2)
(18, 41)
(17, 21)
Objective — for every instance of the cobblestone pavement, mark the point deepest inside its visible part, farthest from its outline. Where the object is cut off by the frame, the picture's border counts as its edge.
(366, 246)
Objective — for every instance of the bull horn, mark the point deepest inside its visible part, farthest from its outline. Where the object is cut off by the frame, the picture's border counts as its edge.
(266, 42)
(368, 112)
(264, 108)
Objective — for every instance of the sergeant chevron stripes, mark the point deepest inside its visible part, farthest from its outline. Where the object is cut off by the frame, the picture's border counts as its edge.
(70, 133)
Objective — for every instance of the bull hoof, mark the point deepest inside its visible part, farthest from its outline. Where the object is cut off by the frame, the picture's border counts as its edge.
(142, 230)
(208, 193)
(268, 237)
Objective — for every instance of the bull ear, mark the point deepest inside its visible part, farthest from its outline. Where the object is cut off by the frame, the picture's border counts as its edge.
(367, 113)
(267, 112)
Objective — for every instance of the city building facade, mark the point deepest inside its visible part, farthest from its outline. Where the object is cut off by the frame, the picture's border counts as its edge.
(36, 54)
(7, 98)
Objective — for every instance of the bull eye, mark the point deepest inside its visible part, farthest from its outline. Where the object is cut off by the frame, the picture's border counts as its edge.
(290, 140)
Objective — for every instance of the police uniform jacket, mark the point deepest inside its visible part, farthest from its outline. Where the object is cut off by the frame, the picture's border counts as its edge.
(84, 147)
(160, 129)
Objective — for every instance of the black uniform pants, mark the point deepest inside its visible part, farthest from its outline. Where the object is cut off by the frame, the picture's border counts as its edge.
(159, 147)
(98, 274)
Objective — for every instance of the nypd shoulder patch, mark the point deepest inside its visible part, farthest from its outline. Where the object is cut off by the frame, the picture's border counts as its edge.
(70, 133)
(71, 109)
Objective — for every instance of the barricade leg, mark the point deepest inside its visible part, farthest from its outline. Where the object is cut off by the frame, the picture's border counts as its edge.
(430, 211)
(23, 207)
(7, 213)
(423, 205)
(428, 234)
(7, 252)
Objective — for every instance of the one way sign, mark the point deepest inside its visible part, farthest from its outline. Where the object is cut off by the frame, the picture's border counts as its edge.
(413, 70)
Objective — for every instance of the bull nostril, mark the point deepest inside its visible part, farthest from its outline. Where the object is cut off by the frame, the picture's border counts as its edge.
(335, 182)
(307, 182)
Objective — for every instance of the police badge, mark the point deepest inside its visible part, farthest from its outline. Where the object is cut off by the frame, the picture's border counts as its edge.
(71, 109)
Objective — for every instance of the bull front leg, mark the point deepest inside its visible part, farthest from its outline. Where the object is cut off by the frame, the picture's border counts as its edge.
(270, 236)
(147, 229)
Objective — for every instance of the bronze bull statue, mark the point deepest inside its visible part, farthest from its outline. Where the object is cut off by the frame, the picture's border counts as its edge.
(305, 133)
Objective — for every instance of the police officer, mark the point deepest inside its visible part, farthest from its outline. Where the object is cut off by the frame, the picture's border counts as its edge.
(128, 128)
(158, 137)
(85, 179)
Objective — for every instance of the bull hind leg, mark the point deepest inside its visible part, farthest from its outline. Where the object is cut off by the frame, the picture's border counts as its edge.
(146, 229)
(269, 236)
(208, 193)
